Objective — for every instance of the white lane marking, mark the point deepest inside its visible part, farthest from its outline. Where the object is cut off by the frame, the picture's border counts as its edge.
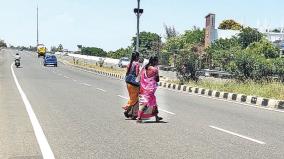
(239, 135)
(193, 94)
(74, 80)
(41, 139)
(166, 111)
(122, 97)
(86, 84)
(66, 77)
(158, 108)
(101, 89)
(96, 73)
(239, 104)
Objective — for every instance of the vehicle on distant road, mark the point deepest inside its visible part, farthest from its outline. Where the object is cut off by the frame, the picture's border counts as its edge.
(17, 63)
(41, 50)
(123, 62)
(50, 60)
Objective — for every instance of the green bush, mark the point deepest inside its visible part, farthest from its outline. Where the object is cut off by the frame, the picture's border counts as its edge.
(187, 63)
(249, 35)
(120, 53)
(278, 68)
(264, 48)
(2, 44)
(93, 51)
(248, 65)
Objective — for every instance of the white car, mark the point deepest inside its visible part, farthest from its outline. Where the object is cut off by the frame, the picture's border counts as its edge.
(123, 62)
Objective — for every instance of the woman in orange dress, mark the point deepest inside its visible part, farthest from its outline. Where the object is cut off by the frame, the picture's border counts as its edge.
(131, 107)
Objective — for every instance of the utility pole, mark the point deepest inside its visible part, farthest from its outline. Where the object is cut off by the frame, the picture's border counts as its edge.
(138, 13)
(37, 25)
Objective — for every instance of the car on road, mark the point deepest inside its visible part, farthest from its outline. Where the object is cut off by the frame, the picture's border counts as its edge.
(123, 62)
(50, 60)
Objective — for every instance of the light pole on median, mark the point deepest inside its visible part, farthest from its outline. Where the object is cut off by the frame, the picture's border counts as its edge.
(138, 13)
(37, 25)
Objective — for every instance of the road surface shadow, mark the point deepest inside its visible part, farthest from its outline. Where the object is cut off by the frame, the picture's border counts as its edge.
(154, 122)
(149, 122)
(130, 119)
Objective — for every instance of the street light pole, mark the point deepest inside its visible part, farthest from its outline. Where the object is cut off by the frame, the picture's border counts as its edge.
(37, 25)
(138, 13)
(138, 27)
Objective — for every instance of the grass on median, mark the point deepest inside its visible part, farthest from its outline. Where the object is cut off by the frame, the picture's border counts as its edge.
(119, 71)
(274, 90)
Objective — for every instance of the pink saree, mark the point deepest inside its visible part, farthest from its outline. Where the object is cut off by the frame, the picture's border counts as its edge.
(148, 86)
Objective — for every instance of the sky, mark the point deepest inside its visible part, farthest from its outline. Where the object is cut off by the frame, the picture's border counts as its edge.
(111, 24)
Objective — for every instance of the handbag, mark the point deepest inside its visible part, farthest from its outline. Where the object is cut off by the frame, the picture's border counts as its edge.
(131, 78)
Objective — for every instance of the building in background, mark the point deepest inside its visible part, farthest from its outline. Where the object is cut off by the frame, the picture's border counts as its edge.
(210, 31)
(212, 34)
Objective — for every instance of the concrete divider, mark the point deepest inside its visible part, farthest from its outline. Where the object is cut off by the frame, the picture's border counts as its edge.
(280, 105)
(272, 103)
(248, 100)
(241, 98)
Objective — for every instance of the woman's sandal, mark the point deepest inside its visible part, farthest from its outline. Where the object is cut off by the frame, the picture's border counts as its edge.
(158, 118)
(139, 121)
(126, 114)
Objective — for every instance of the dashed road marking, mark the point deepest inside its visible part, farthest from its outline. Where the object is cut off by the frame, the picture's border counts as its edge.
(66, 77)
(158, 108)
(166, 111)
(101, 89)
(86, 84)
(238, 135)
(122, 97)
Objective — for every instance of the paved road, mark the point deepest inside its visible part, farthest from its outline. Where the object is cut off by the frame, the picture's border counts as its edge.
(80, 116)
(170, 75)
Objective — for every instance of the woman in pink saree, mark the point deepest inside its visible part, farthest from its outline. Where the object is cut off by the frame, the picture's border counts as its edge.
(148, 85)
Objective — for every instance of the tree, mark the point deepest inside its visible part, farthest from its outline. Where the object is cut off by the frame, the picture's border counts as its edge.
(147, 42)
(249, 35)
(264, 48)
(191, 40)
(276, 30)
(170, 32)
(174, 43)
(230, 25)
(278, 68)
(194, 36)
(253, 66)
(187, 63)
(79, 46)
(53, 49)
(122, 52)
(60, 48)
(93, 51)
(222, 51)
(2, 44)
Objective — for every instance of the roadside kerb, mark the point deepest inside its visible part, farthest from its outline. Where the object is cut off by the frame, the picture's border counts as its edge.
(240, 98)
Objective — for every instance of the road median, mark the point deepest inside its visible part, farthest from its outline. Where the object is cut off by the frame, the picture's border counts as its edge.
(235, 97)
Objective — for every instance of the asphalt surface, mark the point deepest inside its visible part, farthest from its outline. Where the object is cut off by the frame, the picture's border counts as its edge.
(81, 117)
